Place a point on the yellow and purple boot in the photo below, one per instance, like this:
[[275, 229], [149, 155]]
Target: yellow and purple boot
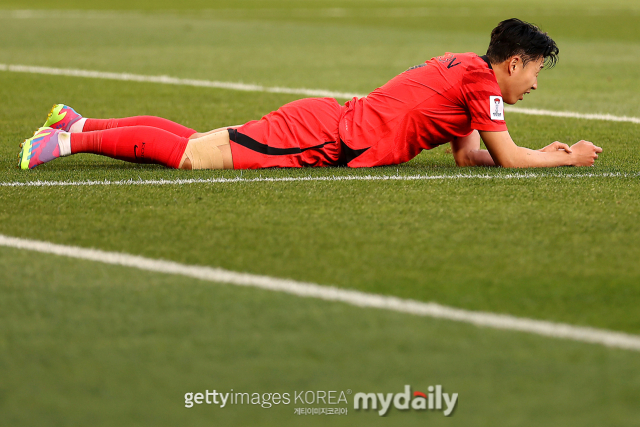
[[41, 148], [62, 117]]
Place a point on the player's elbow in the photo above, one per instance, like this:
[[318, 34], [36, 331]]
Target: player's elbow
[[463, 159]]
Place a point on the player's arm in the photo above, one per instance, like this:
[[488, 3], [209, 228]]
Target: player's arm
[[507, 154], [467, 152]]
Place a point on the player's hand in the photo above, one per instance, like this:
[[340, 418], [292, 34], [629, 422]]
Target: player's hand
[[584, 153], [556, 146]]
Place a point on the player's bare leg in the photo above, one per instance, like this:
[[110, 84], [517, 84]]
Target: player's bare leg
[[211, 150]]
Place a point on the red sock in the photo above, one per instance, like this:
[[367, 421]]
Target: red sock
[[137, 144], [156, 122]]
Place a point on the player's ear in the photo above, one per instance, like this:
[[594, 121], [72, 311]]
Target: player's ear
[[513, 63]]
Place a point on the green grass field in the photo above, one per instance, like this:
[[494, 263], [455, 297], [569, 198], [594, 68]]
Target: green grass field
[[83, 343]]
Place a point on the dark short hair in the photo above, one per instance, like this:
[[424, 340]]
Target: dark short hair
[[515, 37]]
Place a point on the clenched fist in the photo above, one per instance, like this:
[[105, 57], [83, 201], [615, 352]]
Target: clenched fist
[[584, 153]]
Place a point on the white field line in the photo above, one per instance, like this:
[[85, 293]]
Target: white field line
[[305, 179], [330, 293], [173, 81], [571, 115], [258, 88]]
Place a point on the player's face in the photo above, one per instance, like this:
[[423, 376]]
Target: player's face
[[523, 79]]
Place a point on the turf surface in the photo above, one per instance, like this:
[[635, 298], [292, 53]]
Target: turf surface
[[85, 343]]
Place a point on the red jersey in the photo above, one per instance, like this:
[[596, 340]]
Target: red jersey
[[426, 106]]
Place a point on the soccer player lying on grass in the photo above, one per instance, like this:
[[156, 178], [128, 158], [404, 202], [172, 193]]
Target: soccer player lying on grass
[[456, 98]]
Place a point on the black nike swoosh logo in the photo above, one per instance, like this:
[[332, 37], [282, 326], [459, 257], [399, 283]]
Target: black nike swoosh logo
[[135, 154], [451, 64]]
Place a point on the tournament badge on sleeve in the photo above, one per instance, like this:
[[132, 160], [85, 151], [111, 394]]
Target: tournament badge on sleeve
[[496, 108]]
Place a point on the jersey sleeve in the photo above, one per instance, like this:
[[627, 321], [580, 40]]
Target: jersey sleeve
[[484, 100]]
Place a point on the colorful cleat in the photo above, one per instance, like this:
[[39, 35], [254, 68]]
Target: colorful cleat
[[61, 117], [41, 148]]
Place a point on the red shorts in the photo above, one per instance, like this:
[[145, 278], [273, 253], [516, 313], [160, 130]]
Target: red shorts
[[301, 133]]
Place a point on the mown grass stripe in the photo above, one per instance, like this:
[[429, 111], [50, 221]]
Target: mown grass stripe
[[71, 72], [330, 293]]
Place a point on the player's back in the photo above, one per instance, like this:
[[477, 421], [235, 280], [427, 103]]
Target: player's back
[[423, 107]]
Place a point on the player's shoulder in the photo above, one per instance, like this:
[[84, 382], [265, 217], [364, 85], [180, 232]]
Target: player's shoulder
[[454, 62], [477, 71], [455, 69], [467, 61]]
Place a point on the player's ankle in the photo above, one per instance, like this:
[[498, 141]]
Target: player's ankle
[[64, 143], [78, 126]]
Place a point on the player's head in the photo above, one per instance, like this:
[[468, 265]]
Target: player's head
[[520, 50], [514, 37]]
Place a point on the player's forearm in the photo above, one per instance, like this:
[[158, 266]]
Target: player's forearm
[[527, 158], [480, 158], [539, 159]]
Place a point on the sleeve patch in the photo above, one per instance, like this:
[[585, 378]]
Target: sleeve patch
[[496, 108]]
